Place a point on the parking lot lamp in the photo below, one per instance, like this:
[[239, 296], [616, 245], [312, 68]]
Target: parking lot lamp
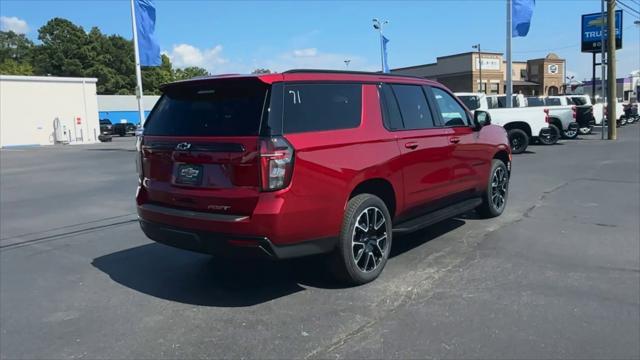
[[378, 24], [477, 46]]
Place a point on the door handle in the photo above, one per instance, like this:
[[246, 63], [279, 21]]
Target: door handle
[[411, 145], [454, 140]]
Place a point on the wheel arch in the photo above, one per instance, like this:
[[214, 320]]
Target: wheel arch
[[381, 188], [557, 122], [519, 125], [503, 156]]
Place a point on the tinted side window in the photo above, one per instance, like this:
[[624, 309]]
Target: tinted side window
[[553, 102], [391, 111], [413, 107], [453, 114], [317, 107], [534, 101]]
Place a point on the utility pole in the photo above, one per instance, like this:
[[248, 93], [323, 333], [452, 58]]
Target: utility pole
[[509, 90], [477, 46], [346, 63], [611, 68]]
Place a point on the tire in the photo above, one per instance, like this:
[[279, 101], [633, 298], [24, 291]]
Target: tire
[[568, 134], [494, 199], [551, 139], [585, 130], [519, 140], [361, 255]]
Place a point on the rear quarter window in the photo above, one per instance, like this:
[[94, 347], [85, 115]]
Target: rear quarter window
[[320, 107]]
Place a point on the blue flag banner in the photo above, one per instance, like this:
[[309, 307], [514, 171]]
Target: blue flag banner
[[145, 26], [521, 13], [385, 61]]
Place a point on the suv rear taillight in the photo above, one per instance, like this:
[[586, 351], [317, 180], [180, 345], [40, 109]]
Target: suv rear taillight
[[546, 115], [574, 110], [139, 143], [276, 163]]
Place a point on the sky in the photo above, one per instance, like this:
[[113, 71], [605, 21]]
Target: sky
[[240, 36]]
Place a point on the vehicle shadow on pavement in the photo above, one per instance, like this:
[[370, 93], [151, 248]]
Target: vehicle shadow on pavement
[[197, 279], [186, 277]]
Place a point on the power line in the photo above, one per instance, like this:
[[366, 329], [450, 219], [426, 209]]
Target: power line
[[637, 13], [631, 14]]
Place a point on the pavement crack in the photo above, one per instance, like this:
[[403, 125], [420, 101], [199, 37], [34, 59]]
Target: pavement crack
[[542, 198]]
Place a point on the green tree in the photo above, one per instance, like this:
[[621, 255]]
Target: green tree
[[16, 52], [12, 67], [64, 51], [189, 72], [153, 77]]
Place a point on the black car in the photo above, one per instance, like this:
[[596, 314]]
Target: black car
[[106, 128], [125, 129]]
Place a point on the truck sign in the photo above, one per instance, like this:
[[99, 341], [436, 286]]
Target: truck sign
[[591, 28]]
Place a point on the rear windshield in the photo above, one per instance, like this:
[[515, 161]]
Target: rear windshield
[[579, 101], [212, 109], [471, 102]]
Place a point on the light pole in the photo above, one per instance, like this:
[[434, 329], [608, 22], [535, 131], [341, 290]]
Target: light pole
[[569, 82], [477, 46], [378, 24], [346, 62]]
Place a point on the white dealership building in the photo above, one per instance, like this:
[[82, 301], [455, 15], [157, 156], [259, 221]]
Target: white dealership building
[[44, 110]]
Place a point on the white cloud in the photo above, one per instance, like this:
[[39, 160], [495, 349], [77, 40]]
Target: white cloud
[[310, 52], [184, 55], [213, 59], [14, 24], [312, 58]]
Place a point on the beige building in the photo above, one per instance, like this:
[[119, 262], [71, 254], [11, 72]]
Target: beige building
[[465, 72], [42, 110]]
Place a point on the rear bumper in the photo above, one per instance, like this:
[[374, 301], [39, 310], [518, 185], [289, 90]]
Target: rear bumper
[[227, 245]]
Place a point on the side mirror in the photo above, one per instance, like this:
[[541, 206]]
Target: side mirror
[[481, 118]]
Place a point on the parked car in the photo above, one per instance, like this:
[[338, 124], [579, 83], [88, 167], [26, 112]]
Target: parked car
[[523, 125], [106, 128], [124, 129], [309, 162], [562, 117]]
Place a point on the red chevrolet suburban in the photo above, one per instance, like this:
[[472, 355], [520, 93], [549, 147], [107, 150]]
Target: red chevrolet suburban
[[309, 162]]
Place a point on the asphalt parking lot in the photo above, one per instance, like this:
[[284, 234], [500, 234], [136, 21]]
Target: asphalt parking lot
[[557, 276]]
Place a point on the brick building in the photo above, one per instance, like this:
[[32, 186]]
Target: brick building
[[462, 73]]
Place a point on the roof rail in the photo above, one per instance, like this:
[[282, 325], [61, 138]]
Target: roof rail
[[322, 71]]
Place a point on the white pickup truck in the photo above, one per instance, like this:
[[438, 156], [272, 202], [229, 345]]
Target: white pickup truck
[[523, 125], [562, 118]]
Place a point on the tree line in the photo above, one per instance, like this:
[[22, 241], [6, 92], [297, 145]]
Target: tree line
[[66, 49]]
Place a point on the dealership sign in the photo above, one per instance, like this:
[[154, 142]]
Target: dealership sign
[[488, 64], [591, 28]]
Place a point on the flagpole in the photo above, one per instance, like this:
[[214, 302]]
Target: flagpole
[[509, 95], [137, 59]]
